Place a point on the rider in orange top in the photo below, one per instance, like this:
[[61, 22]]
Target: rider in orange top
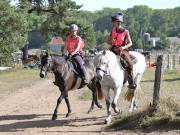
[[120, 41], [74, 47]]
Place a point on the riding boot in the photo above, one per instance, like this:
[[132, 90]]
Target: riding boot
[[125, 54], [84, 76], [132, 84]]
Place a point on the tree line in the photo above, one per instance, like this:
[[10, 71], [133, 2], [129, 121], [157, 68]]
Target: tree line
[[52, 17]]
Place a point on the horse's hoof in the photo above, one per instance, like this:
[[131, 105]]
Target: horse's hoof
[[130, 110], [68, 114], [100, 106], [90, 110], [107, 121], [118, 111], [54, 117]]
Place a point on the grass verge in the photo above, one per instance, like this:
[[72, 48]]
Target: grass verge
[[164, 117], [11, 81]]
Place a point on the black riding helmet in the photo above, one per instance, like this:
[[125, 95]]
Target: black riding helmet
[[118, 17]]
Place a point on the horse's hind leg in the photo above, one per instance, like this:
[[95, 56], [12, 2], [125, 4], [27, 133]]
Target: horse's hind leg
[[68, 105], [92, 103], [54, 117], [133, 100], [92, 87], [132, 105]]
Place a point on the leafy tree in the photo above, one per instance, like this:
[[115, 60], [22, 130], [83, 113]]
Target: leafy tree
[[102, 37], [103, 19], [163, 43], [59, 15], [13, 28]]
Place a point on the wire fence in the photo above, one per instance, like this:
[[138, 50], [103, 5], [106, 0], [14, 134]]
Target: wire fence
[[170, 61]]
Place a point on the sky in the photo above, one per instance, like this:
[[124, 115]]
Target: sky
[[93, 5]]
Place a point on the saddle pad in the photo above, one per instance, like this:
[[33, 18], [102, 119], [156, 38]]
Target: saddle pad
[[133, 58]]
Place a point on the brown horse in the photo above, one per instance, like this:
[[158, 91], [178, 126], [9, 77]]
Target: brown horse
[[66, 78]]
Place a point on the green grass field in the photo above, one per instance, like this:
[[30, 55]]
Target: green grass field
[[170, 85]]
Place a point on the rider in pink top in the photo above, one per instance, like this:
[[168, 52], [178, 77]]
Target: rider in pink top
[[120, 41], [74, 46]]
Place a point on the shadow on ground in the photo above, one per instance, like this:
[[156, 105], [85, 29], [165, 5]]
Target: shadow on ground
[[167, 80], [27, 121]]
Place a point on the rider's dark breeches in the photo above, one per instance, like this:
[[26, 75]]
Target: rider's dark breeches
[[80, 62]]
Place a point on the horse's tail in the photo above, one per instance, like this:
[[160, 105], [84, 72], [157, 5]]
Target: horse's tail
[[99, 91], [129, 94]]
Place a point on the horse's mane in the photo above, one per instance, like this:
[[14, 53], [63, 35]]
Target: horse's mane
[[58, 59], [107, 51]]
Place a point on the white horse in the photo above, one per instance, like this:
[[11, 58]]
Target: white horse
[[111, 74]]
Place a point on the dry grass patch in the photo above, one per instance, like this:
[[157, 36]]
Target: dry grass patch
[[14, 80], [165, 117]]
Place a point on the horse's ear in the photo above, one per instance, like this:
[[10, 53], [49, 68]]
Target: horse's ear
[[104, 52], [46, 53]]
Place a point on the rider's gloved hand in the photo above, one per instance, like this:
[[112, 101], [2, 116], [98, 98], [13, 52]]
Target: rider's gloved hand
[[67, 57]]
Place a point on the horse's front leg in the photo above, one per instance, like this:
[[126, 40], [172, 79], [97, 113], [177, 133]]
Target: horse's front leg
[[54, 117], [68, 105], [107, 98], [96, 92], [117, 92]]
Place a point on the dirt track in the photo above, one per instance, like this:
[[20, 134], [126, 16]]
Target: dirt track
[[29, 112]]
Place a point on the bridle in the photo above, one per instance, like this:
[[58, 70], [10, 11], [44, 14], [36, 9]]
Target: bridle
[[106, 67], [48, 66]]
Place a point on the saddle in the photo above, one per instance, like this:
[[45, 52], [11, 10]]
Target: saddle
[[116, 50], [124, 63], [73, 65]]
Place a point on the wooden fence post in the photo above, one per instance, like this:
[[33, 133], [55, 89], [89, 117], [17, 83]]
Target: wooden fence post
[[157, 81], [168, 65], [174, 61]]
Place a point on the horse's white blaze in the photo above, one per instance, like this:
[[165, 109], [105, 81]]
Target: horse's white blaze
[[114, 78]]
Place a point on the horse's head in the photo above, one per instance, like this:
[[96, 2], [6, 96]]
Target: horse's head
[[102, 65], [45, 65]]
